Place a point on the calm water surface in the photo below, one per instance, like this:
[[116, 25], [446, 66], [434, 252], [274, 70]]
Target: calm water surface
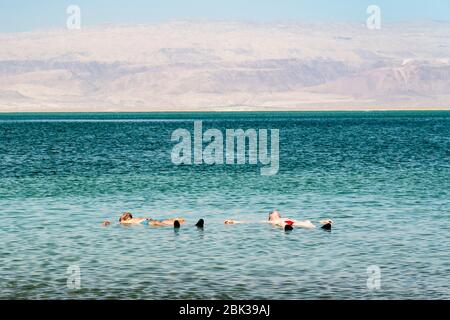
[[384, 178]]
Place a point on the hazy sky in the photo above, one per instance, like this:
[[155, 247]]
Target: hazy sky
[[25, 15]]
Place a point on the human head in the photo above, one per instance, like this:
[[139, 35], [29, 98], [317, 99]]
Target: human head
[[125, 216], [274, 215]]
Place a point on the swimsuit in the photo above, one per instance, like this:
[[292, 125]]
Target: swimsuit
[[289, 222]]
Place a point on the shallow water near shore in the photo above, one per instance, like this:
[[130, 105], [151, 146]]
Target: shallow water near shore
[[383, 177]]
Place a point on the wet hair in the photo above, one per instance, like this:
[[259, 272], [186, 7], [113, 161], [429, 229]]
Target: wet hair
[[125, 216]]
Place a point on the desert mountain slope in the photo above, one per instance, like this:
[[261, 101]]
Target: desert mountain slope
[[226, 66]]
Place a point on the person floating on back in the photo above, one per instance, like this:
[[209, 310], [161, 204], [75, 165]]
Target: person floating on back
[[127, 219], [287, 223]]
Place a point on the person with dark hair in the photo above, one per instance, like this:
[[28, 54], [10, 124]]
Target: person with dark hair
[[326, 224]]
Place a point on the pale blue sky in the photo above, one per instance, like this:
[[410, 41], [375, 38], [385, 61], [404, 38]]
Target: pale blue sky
[[25, 15]]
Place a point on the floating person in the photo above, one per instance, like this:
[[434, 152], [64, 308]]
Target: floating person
[[276, 219], [287, 223], [127, 219]]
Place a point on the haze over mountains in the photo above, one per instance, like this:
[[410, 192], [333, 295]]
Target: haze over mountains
[[227, 66]]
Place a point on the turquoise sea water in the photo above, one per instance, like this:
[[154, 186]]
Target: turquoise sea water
[[383, 177]]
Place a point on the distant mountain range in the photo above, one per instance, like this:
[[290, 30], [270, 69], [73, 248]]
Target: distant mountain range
[[227, 66]]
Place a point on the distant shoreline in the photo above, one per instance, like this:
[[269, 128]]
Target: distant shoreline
[[223, 111]]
